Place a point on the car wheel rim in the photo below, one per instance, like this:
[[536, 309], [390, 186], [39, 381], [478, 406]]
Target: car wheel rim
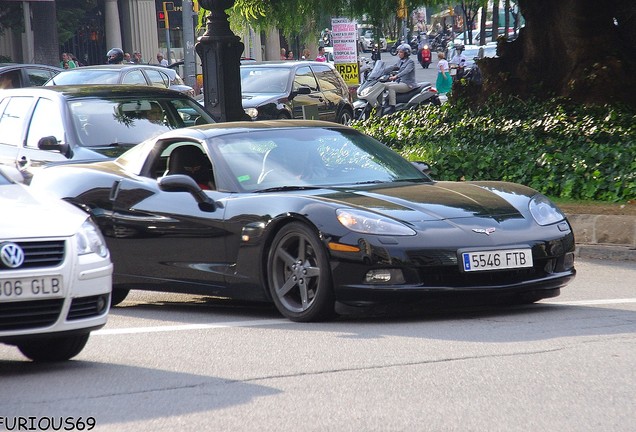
[[295, 272], [345, 118]]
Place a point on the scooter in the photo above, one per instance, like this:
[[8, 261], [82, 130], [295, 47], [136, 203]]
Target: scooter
[[372, 94], [425, 57]]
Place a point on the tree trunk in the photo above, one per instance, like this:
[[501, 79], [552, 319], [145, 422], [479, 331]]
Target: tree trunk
[[569, 48], [46, 48]]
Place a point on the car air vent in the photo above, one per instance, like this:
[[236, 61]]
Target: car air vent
[[86, 307], [29, 314], [41, 254]]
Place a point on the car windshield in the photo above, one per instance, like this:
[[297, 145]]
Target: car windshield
[[264, 80], [113, 121], [85, 76], [276, 159]]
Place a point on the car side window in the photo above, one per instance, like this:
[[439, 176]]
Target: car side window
[[10, 79], [135, 77], [305, 77], [46, 121], [13, 119], [38, 77], [158, 79], [327, 79]]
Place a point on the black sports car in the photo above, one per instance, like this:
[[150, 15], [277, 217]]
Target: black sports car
[[307, 214]]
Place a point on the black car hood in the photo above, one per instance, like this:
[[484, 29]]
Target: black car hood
[[253, 100], [437, 201]]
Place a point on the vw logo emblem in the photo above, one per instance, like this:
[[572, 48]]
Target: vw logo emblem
[[486, 231], [11, 255]]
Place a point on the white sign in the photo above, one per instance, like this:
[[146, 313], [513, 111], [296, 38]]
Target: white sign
[[344, 38]]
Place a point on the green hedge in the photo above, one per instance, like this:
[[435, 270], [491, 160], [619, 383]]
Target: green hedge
[[561, 149]]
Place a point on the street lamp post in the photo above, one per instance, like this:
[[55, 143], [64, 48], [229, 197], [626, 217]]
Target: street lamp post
[[220, 52]]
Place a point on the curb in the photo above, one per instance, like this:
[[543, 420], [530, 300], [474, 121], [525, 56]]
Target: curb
[[604, 236]]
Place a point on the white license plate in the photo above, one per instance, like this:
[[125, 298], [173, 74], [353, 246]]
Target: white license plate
[[31, 288], [497, 259]]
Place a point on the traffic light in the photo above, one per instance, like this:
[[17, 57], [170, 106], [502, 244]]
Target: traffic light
[[162, 17], [401, 12]]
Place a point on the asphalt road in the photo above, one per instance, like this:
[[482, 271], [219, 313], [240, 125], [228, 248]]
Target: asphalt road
[[183, 363]]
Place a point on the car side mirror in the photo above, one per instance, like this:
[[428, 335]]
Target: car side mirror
[[184, 183], [51, 143], [304, 90]]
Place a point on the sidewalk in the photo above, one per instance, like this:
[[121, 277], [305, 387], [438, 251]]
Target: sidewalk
[[604, 237]]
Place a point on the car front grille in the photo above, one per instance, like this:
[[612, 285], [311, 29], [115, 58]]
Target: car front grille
[[86, 307], [29, 314], [40, 254]]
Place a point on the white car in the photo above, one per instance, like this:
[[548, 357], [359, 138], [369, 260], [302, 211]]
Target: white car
[[55, 273]]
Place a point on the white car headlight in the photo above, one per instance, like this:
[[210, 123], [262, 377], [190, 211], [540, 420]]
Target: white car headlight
[[544, 211], [370, 223], [252, 112], [89, 240]]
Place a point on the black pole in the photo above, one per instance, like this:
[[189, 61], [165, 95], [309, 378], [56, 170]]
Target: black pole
[[220, 52]]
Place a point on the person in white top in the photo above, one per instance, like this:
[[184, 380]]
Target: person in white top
[[162, 61], [459, 61]]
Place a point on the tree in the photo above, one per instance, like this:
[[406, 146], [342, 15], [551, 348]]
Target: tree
[[571, 48]]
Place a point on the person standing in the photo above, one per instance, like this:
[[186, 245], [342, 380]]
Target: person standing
[[162, 61], [283, 54], [403, 80], [444, 81], [67, 62], [321, 55]]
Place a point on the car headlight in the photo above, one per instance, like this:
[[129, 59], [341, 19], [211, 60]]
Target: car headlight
[[370, 223], [252, 112], [544, 211], [365, 91], [89, 240]]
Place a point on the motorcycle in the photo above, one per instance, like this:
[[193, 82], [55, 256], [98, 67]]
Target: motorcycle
[[425, 56], [394, 48], [372, 94]]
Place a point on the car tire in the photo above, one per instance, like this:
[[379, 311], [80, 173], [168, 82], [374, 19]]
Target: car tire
[[345, 117], [299, 275], [53, 349], [118, 295]]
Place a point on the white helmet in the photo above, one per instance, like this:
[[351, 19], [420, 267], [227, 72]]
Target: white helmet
[[405, 48]]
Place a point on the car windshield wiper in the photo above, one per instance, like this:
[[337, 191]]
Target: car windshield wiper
[[371, 182], [287, 188]]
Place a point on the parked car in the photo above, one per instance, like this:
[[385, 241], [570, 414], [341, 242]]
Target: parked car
[[131, 74], [42, 125], [295, 89], [16, 75], [55, 274], [305, 214], [366, 39]]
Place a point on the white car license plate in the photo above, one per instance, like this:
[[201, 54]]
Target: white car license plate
[[31, 288], [497, 259]]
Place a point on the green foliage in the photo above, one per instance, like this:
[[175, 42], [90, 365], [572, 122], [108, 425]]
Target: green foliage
[[559, 148]]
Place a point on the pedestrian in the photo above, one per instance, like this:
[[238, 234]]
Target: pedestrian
[[283, 54], [136, 58], [75, 60], [306, 54], [162, 61], [444, 81], [127, 58], [290, 55], [321, 55], [67, 62], [403, 80]]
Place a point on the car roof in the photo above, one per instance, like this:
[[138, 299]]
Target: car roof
[[24, 65], [285, 64], [125, 66], [216, 129], [96, 90]]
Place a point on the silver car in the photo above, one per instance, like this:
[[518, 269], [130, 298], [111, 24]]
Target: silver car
[[55, 273]]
